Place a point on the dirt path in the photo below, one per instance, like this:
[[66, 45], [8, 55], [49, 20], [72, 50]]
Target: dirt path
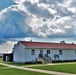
[[37, 70]]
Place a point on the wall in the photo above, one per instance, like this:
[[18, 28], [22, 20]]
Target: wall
[[66, 54], [22, 54], [18, 53], [29, 56]]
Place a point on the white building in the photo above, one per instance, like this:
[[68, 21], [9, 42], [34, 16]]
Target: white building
[[43, 52]]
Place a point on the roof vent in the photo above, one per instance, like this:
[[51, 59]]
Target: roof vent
[[30, 40], [63, 42]]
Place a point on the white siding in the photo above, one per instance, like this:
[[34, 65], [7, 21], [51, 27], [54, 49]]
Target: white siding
[[29, 56], [53, 52], [68, 55], [22, 55], [19, 53]]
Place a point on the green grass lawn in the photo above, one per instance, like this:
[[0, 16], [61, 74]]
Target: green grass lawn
[[1, 66], [15, 64], [67, 68], [18, 64], [13, 71], [1, 59]]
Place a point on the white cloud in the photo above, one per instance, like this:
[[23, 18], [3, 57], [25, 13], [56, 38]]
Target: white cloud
[[27, 39], [7, 47], [67, 26], [38, 18], [19, 1]]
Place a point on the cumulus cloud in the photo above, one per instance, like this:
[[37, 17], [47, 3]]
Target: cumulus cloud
[[24, 19], [13, 23], [7, 47], [38, 18], [38, 11]]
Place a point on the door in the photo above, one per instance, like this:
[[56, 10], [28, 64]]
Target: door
[[41, 53]]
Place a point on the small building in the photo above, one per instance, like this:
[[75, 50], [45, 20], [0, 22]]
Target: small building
[[8, 57], [44, 52]]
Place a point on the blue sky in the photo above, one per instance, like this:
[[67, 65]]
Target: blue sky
[[6, 3], [39, 20]]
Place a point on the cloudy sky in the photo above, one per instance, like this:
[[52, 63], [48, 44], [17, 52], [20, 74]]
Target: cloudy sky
[[39, 20]]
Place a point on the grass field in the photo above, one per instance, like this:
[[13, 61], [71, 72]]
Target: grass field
[[12, 63], [60, 67], [19, 64], [12, 71], [1, 59], [67, 68]]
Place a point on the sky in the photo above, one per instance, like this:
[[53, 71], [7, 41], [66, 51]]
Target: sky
[[37, 20]]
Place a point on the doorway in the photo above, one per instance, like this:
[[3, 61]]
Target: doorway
[[41, 53]]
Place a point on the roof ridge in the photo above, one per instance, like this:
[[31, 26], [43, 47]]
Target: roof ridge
[[47, 42]]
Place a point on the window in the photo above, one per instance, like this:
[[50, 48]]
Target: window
[[48, 51], [60, 52], [41, 51], [33, 52]]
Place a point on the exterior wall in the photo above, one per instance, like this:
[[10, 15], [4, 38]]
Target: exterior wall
[[29, 57], [53, 52], [22, 54], [18, 53], [66, 54]]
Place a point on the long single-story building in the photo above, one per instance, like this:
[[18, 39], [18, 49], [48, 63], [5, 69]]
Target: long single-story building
[[45, 52]]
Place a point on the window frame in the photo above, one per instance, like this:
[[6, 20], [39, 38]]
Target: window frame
[[33, 52], [48, 51], [60, 52]]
